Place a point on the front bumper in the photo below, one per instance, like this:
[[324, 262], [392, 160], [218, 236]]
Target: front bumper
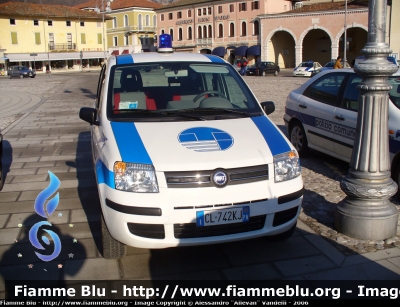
[[302, 73], [168, 218]]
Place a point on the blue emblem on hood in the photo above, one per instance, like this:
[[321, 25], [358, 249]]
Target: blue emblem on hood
[[205, 139]]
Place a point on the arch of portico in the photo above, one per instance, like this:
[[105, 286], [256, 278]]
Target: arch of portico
[[268, 51], [312, 31], [299, 43]]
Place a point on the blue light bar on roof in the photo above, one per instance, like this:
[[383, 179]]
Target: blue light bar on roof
[[165, 43]]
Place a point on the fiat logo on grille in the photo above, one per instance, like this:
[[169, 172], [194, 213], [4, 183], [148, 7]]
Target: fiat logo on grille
[[220, 178]]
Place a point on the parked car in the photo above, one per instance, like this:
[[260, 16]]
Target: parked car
[[305, 69], [218, 171], [1, 165], [21, 72], [328, 66], [266, 68], [322, 115]]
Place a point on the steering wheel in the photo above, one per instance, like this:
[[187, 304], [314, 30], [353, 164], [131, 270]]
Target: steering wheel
[[207, 92]]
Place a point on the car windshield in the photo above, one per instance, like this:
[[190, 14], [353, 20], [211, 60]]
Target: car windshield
[[168, 91], [306, 64]]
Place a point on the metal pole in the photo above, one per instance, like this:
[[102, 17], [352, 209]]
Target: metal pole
[[104, 38], [345, 36], [366, 212]]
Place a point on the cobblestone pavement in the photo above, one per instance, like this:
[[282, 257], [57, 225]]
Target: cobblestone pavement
[[321, 174]]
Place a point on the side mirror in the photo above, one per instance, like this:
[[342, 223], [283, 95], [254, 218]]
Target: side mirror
[[88, 115], [268, 106]]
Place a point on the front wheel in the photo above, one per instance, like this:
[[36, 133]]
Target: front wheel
[[21, 76], [276, 73], [112, 249], [9, 76], [298, 138]]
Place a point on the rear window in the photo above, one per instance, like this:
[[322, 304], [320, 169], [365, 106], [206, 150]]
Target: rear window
[[148, 91]]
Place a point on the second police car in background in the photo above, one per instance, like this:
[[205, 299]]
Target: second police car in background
[[322, 115], [306, 69], [184, 154]]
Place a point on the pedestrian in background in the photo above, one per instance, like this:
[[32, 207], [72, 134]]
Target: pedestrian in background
[[243, 65], [258, 67], [338, 63]]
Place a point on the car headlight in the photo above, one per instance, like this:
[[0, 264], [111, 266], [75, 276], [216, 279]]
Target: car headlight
[[287, 166], [133, 177]]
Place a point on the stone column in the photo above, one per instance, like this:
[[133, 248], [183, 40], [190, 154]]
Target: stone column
[[366, 212]]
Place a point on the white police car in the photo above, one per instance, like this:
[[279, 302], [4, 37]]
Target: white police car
[[322, 115], [185, 155], [306, 69]]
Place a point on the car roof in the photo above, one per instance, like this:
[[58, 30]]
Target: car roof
[[157, 57], [302, 87]]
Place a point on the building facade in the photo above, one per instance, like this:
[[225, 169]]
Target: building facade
[[226, 28], [56, 36], [132, 24]]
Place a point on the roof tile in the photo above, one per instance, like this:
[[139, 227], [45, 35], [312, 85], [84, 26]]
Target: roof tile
[[16, 9], [120, 4]]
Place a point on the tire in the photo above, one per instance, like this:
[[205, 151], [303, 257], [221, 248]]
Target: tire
[[396, 178], [264, 73], [112, 249], [284, 235], [276, 73], [21, 76], [1, 176], [298, 138], [9, 76]]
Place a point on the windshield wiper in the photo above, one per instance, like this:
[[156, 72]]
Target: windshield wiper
[[181, 113], [244, 113]]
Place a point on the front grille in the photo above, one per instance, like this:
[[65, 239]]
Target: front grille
[[199, 179], [284, 216], [185, 231], [249, 202]]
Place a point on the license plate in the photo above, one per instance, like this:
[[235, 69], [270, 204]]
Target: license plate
[[223, 216]]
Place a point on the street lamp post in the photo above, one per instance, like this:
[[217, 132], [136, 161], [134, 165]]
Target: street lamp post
[[103, 10], [345, 36], [366, 212]]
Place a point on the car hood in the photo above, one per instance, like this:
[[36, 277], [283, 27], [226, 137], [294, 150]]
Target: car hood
[[304, 69], [199, 145]]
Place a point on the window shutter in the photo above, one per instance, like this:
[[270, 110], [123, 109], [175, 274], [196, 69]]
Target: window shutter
[[14, 38], [99, 38], [83, 38], [37, 38]]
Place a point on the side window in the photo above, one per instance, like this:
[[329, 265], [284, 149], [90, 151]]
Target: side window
[[100, 85], [326, 89], [350, 96]]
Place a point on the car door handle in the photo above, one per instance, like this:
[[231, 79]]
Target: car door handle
[[339, 117], [303, 106]]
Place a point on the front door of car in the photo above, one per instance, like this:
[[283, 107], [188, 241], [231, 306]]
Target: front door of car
[[269, 67], [345, 119], [98, 138], [318, 109]]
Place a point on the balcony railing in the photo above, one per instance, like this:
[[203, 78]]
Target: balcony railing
[[57, 47], [133, 29], [204, 41]]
